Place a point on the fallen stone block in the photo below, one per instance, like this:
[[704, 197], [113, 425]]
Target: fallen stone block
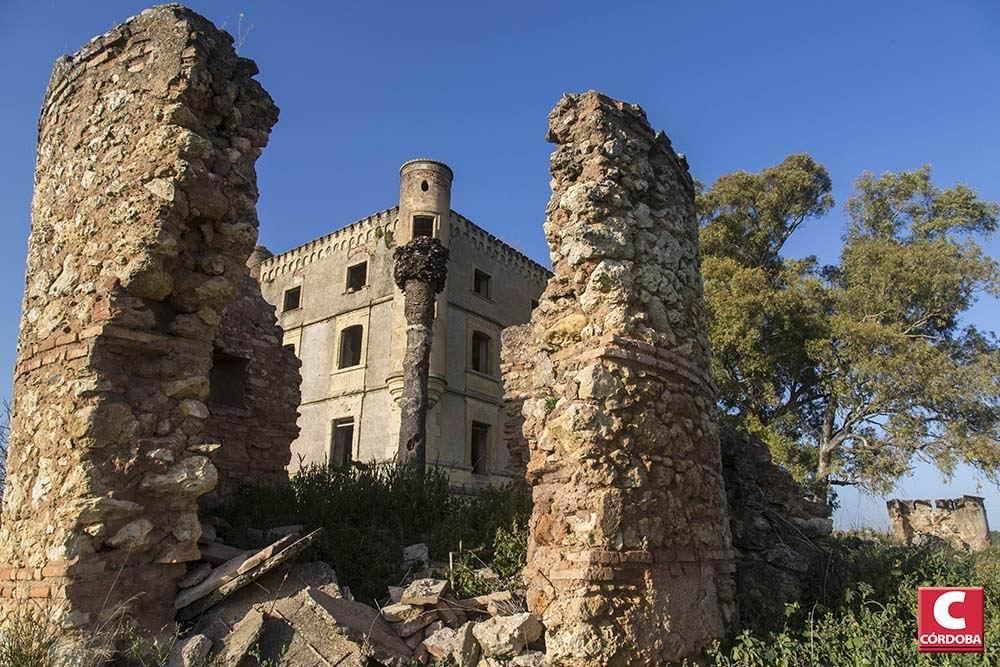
[[400, 613], [190, 652], [425, 592], [466, 650], [415, 624], [440, 644], [244, 635], [507, 636]]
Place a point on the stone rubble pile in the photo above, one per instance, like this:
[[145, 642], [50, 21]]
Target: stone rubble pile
[[298, 614], [488, 630]]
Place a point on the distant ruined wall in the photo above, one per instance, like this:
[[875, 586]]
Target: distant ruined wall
[[142, 218], [630, 560], [961, 522], [253, 394]]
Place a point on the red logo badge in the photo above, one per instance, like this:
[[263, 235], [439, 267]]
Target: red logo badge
[[950, 620]]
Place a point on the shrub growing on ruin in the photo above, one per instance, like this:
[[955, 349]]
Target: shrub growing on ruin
[[370, 511]]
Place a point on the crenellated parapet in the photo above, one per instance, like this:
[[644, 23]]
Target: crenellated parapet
[[370, 229]]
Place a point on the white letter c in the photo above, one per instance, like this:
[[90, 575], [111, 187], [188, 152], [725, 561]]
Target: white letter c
[[942, 614]]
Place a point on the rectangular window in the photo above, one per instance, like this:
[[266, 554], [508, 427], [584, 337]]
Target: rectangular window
[[350, 346], [357, 276], [479, 447], [343, 442], [227, 380], [481, 283], [290, 347], [423, 225], [293, 299], [481, 345]]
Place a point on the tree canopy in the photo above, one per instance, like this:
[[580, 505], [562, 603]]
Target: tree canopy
[[850, 372]]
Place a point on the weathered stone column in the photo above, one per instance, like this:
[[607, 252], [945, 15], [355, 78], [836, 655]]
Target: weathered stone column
[[630, 561], [420, 270], [142, 219]]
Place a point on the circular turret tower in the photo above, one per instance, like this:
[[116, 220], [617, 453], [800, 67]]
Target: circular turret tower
[[424, 200]]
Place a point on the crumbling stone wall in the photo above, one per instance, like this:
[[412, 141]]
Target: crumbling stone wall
[[142, 219], [253, 394], [961, 522], [515, 370], [630, 560], [780, 537]]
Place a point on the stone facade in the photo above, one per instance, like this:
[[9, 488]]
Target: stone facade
[[630, 560], [142, 220], [318, 304], [961, 522]]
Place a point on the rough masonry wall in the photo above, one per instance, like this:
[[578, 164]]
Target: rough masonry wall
[[142, 218], [961, 522], [779, 536], [630, 561], [517, 359], [254, 422]]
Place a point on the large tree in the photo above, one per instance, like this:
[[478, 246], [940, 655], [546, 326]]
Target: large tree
[[849, 372]]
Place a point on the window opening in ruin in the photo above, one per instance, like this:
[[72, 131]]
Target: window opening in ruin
[[424, 186], [534, 304], [293, 299], [227, 380], [423, 225], [481, 283], [342, 442], [290, 347], [479, 447], [357, 276], [481, 352], [350, 346]]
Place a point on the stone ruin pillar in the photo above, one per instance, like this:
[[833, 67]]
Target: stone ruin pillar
[[142, 218], [630, 561], [420, 269]]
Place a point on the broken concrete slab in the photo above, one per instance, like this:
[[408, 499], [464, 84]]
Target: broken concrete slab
[[244, 635], [193, 601], [195, 575], [317, 627]]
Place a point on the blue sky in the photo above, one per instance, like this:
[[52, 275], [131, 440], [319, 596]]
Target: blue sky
[[364, 86]]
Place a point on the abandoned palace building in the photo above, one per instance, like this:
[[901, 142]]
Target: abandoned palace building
[[342, 315]]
